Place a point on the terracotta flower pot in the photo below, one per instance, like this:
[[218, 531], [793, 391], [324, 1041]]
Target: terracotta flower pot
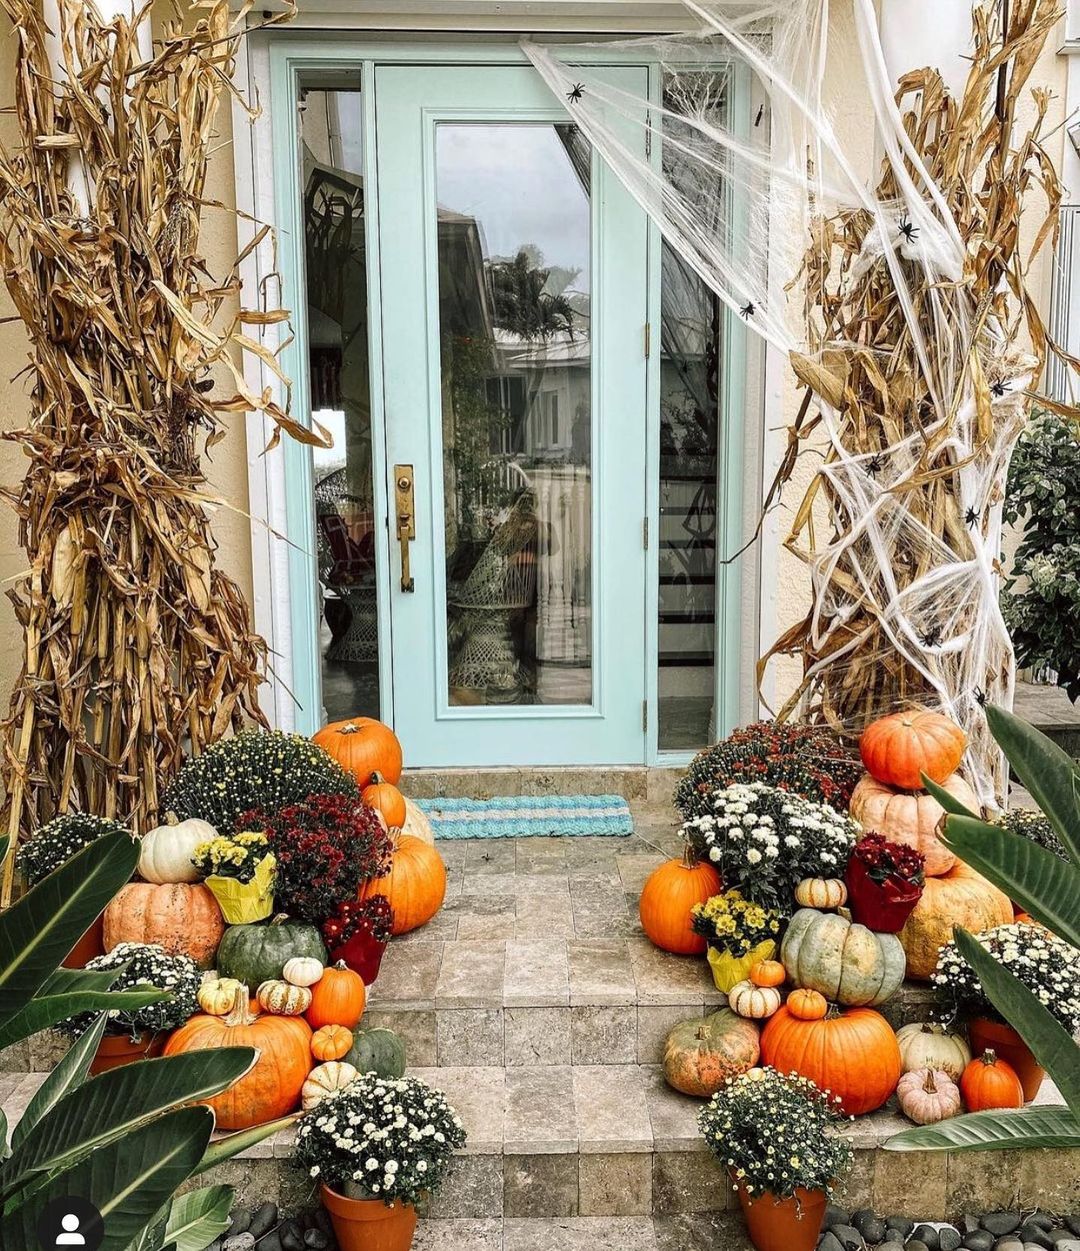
[[117, 1049], [985, 1034], [363, 954], [792, 1224], [881, 906], [91, 944], [368, 1224]]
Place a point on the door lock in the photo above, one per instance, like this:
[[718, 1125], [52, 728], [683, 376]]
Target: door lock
[[406, 519]]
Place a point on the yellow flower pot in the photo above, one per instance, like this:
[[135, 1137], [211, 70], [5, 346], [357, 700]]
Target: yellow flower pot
[[728, 969], [243, 902]]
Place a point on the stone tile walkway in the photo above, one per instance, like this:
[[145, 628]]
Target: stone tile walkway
[[688, 1232]]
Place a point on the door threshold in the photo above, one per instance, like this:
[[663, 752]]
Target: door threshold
[[640, 782]]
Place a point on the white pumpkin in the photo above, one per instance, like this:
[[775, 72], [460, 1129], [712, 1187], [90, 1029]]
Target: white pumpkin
[[823, 893], [302, 971], [754, 1002], [324, 1079], [927, 1045], [165, 852], [417, 824]]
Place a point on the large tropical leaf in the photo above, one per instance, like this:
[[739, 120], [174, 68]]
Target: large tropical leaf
[[68, 1074], [38, 931], [117, 1102], [1048, 1039], [993, 1131], [1040, 882], [196, 1219], [1050, 774], [949, 802], [127, 1180], [222, 1149], [68, 992]]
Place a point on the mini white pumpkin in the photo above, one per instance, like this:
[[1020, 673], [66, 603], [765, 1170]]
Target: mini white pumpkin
[[823, 893], [302, 970], [165, 852], [928, 1045], [324, 1079], [755, 1002], [927, 1096], [281, 999]]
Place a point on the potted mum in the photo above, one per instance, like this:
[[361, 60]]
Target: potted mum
[[140, 1033], [885, 881], [358, 932], [1047, 965], [239, 870], [739, 934], [377, 1147], [776, 1136]]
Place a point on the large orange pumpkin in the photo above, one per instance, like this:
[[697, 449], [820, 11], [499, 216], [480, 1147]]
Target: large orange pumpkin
[[900, 748], [184, 919], [337, 998], [959, 897], [670, 892], [271, 1088], [415, 885], [364, 747], [387, 800], [910, 817], [852, 1052]]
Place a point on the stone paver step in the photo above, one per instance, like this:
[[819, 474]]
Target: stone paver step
[[695, 1232]]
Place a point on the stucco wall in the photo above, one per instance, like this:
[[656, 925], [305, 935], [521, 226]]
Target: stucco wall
[[228, 472]]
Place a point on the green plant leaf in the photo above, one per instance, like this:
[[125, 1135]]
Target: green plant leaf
[[222, 1149], [38, 931], [4, 1152], [1050, 774], [1050, 1042], [1040, 882], [47, 1009], [949, 802], [196, 1219], [127, 1180], [115, 1103], [67, 1076], [1043, 1126]]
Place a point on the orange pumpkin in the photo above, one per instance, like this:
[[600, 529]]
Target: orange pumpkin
[[271, 1088], [853, 1053], [670, 892], [363, 747], [768, 973], [807, 1005], [900, 748], [909, 817], [184, 919], [988, 1082], [959, 897], [331, 1042], [337, 998], [387, 801], [415, 885]]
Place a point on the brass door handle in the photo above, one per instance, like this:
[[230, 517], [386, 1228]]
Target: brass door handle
[[406, 520]]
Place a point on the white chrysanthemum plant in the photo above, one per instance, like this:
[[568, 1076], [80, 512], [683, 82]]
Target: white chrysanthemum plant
[[144, 966], [380, 1138], [763, 841]]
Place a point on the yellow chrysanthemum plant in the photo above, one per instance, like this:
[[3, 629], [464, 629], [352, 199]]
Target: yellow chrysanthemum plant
[[739, 933], [240, 870]]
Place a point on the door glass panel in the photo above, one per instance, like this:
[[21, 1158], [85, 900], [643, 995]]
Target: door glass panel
[[339, 382], [514, 309]]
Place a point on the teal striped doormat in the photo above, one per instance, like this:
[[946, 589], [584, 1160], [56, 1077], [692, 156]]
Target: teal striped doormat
[[519, 816]]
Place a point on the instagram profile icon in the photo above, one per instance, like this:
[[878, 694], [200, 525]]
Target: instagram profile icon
[[70, 1224]]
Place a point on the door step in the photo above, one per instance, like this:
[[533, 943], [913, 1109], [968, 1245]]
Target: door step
[[650, 785]]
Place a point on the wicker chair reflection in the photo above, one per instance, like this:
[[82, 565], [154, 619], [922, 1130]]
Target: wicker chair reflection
[[502, 582], [346, 540]]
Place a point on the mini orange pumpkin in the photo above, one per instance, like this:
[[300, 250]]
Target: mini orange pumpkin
[[364, 747], [807, 1005], [768, 973], [331, 1042], [415, 885], [387, 800], [900, 748], [988, 1082], [337, 998], [667, 897]]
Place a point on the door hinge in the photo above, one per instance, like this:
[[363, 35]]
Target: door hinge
[[644, 714], [648, 339], [645, 533]]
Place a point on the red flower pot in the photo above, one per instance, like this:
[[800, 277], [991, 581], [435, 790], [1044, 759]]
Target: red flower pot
[[791, 1224], [91, 944], [987, 1035], [117, 1049], [881, 906], [363, 954], [368, 1224]]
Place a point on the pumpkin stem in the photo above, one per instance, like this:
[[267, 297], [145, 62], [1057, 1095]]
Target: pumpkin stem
[[377, 779], [240, 1012], [688, 855], [171, 819], [989, 1056], [350, 728], [930, 1086]]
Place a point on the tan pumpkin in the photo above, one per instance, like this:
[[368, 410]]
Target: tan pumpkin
[[165, 853], [927, 1096], [417, 824], [185, 920], [700, 1054], [846, 962], [283, 999], [331, 1042], [302, 970], [324, 1080], [960, 897], [753, 1002], [216, 995], [415, 885], [910, 817], [823, 893], [927, 1045]]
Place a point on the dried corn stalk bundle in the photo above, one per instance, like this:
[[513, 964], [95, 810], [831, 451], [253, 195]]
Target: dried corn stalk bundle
[[922, 378], [136, 645]]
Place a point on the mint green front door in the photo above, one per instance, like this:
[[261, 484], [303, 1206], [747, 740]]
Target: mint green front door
[[514, 294]]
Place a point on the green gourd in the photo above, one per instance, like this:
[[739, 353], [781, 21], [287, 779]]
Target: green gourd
[[254, 954], [378, 1051]]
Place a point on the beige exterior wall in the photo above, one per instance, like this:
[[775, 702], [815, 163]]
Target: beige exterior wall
[[228, 472]]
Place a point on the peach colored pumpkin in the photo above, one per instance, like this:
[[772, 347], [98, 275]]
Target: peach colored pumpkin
[[959, 897], [185, 920], [910, 817]]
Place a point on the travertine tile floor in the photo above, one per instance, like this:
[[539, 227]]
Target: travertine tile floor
[[720, 1231]]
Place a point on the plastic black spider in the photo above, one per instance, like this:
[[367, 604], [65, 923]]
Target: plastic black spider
[[575, 93], [997, 389], [932, 638], [980, 696], [747, 310], [875, 464], [908, 229], [971, 517]]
